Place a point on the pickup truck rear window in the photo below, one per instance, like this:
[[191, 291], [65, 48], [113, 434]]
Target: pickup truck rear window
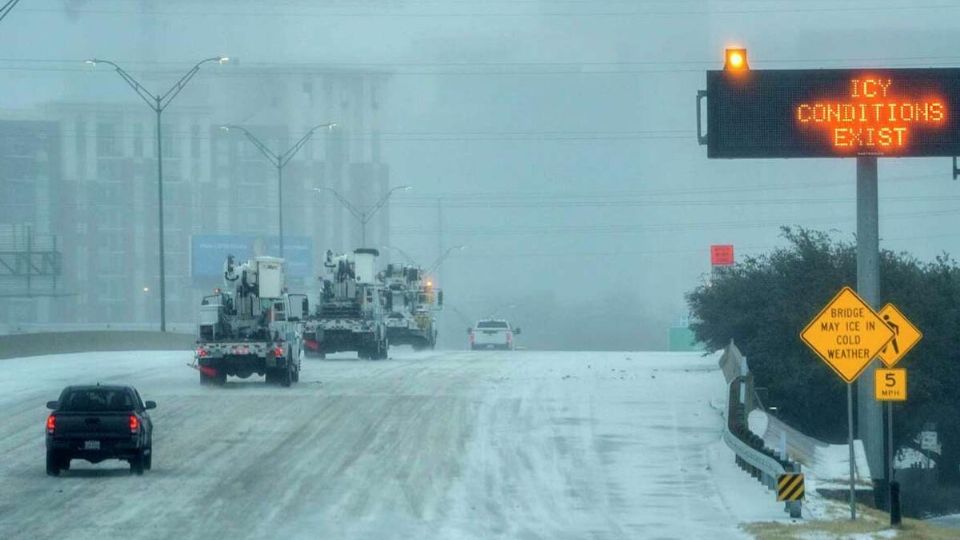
[[492, 324], [97, 400]]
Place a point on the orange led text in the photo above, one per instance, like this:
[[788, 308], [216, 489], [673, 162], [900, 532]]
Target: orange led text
[[873, 117]]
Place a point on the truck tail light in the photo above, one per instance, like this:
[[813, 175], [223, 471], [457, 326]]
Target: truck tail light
[[472, 338], [134, 424], [509, 337], [201, 352], [277, 352], [208, 371], [51, 424]]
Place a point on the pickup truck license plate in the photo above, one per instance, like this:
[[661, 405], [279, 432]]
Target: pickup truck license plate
[[91, 445]]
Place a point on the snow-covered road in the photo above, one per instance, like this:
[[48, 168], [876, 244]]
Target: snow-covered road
[[451, 445]]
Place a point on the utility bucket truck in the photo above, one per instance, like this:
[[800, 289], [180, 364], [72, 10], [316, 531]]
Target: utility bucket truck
[[349, 315], [252, 325], [411, 300]]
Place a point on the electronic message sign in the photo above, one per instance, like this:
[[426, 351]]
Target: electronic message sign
[[833, 113]]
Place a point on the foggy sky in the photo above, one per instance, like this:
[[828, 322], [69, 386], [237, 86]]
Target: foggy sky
[[512, 106]]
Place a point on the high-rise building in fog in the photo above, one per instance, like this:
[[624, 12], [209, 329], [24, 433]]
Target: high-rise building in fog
[[86, 172]]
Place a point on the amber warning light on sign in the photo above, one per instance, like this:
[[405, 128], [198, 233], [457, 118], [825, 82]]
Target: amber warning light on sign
[[874, 115], [735, 60]]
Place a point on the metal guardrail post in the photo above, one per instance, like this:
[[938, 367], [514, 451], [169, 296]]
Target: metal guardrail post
[[794, 508]]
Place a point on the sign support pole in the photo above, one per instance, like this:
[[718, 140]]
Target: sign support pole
[[853, 494], [869, 411], [890, 501]]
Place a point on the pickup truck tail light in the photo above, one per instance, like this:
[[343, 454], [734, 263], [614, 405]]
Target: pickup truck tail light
[[51, 424], [277, 352], [472, 338], [201, 352], [134, 424], [509, 337]]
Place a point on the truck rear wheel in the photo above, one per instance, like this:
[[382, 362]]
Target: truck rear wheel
[[53, 463], [136, 464], [286, 378]]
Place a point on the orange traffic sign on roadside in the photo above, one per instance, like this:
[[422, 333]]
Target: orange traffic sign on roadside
[[847, 334], [890, 385], [905, 335]]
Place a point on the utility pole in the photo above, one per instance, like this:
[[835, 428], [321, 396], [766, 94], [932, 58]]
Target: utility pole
[[439, 235], [436, 276]]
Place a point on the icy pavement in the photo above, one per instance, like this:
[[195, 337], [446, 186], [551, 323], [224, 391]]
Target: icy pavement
[[455, 445]]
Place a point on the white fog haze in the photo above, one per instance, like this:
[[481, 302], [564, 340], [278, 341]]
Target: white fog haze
[[557, 137], [479, 269]]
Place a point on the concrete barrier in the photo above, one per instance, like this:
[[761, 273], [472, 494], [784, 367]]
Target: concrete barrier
[[20, 345]]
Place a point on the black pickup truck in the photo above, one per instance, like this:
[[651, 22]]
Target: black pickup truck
[[98, 422]]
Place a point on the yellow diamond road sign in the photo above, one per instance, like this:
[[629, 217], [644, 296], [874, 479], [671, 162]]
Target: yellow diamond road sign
[[847, 334], [905, 335]]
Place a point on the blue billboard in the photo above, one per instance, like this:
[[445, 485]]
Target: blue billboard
[[209, 251]]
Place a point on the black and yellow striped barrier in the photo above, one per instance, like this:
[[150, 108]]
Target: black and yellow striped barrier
[[790, 487]]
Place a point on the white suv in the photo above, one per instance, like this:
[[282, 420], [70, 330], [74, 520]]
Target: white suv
[[492, 334]]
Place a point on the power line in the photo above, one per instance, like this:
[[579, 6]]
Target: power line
[[514, 230], [451, 197], [517, 70], [564, 253], [392, 136], [495, 200], [247, 65], [494, 14]]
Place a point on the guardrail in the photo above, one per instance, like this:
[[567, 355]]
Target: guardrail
[[751, 454], [22, 345], [37, 328], [764, 468]]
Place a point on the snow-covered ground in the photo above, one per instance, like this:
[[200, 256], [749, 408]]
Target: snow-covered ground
[[951, 522], [424, 445]]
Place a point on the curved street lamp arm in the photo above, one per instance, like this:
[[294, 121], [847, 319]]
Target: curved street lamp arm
[[288, 155], [165, 99], [5, 10], [141, 91], [353, 210], [270, 155], [436, 264], [383, 201], [460, 314], [404, 253]]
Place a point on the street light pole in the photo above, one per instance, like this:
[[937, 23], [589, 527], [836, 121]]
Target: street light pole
[[363, 216], [279, 161], [436, 264], [401, 252], [159, 103]]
